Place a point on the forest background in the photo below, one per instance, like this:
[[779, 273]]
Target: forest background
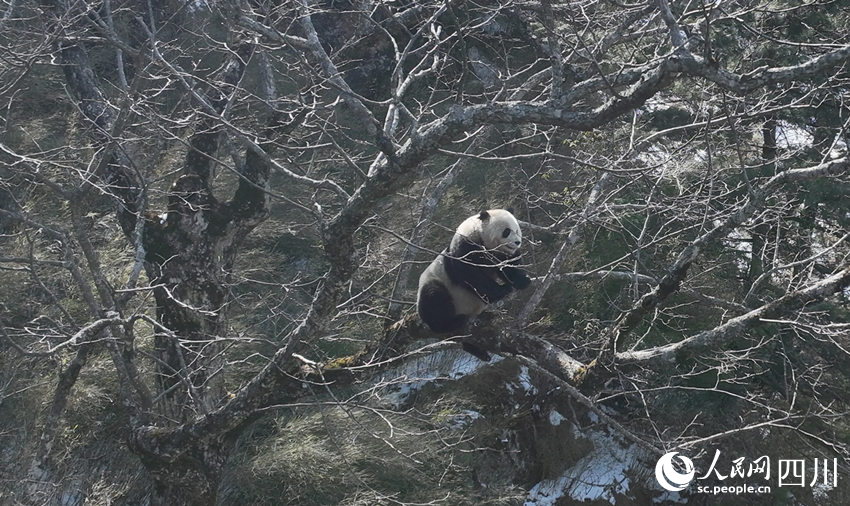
[[213, 216]]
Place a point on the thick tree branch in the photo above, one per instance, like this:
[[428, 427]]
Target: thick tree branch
[[114, 167], [593, 201], [716, 337], [205, 141], [679, 269]]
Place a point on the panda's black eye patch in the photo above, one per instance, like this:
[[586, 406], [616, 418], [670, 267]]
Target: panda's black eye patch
[[506, 233]]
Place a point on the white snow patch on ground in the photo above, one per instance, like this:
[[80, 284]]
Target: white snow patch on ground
[[821, 492], [555, 418], [462, 419], [670, 497], [442, 365], [599, 475], [524, 383], [789, 135]]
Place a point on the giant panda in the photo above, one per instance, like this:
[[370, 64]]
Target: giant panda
[[478, 268]]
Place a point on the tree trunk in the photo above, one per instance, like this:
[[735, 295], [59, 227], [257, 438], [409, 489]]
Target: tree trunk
[[193, 478], [762, 232], [185, 260]]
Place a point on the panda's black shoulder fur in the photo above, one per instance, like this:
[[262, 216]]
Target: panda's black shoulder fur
[[490, 274]]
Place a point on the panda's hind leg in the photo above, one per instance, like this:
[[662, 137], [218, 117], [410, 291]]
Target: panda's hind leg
[[437, 310]]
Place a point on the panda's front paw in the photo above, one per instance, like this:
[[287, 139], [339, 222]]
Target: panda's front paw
[[476, 351]]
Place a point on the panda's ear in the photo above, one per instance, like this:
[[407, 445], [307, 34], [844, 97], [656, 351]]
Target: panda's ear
[[484, 216], [510, 210]]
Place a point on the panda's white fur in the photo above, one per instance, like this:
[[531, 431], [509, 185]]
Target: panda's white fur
[[477, 269], [466, 301], [488, 229]]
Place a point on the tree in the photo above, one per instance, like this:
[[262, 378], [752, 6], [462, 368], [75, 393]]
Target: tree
[[628, 136]]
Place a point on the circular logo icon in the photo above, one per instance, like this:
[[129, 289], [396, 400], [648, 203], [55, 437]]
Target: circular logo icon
[[667, 475]]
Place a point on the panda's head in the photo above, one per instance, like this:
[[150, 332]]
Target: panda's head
[[499, 231]]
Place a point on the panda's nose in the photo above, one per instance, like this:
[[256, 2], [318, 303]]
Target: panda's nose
[[517, 243]]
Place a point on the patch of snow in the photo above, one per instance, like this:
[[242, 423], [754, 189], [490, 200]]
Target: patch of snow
[[547, 492], [462, 419], [524, 383], [555, 418], [741, 241], [599, 475], [821, 492], [789, 135], [399, 383], [668, 496], [197, 5], [839, 150]]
